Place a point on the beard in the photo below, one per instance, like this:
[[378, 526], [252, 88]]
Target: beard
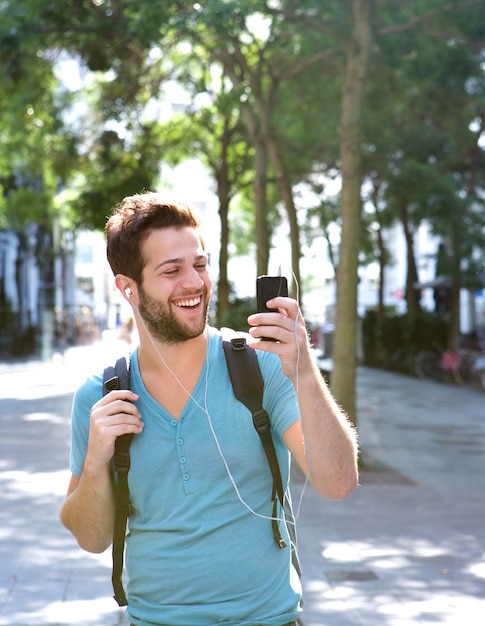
[[163, 325]]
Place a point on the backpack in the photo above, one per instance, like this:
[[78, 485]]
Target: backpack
[[248, 384]]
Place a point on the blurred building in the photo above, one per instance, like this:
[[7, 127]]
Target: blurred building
[[57, 289]]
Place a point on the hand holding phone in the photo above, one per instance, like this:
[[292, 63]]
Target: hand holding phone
[[268, 287]]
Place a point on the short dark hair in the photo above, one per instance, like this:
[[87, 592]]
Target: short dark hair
[[130, 223]]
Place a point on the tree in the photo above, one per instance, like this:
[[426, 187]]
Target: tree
[[358, 59], [216, 134], [278, 58], [37, 154], [427, 92], [258, 66]]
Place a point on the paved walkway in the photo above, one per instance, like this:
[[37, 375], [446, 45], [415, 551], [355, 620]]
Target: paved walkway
[[407, 548]]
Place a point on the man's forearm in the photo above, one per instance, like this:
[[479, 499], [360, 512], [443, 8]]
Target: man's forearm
[[88, 511], [330, 439]]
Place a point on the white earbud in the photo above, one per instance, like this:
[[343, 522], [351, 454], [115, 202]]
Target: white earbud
[[128, 292]]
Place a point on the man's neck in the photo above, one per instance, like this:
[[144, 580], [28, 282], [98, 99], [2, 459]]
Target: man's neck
[[167, 358]]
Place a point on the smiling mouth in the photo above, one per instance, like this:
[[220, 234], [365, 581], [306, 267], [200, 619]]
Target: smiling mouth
[[189, 303]]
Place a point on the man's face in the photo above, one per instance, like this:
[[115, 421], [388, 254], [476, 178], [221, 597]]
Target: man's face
[[176, 287]]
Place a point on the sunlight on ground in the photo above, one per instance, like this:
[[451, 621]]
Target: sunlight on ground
[[356, 551], [43, 417], [478, 570], [73, 612], [54, 483]]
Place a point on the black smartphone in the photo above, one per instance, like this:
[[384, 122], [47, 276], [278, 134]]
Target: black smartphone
[[268, 287]]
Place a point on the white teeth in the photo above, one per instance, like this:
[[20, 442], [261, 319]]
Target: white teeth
[[193, 302]]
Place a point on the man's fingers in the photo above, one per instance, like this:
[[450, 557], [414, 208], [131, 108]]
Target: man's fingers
[[117, 394]]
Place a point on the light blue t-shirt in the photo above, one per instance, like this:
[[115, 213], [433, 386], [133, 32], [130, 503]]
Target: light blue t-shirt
[[200, 549]]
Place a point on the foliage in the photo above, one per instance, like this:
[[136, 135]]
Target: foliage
[[393, 341], [422, 132], [238, 313], [114, 170], [257, 74], [407, 124]]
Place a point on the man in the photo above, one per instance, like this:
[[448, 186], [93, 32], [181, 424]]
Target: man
[[200, 550]]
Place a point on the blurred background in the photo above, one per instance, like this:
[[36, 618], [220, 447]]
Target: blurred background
[[341, 142]]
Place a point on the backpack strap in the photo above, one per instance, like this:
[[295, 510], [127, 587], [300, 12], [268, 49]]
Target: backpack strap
[[248, 386], [118, 377]]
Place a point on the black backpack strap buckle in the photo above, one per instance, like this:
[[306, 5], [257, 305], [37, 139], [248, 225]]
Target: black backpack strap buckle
[[238, 343], [121, 461], [261, 421]]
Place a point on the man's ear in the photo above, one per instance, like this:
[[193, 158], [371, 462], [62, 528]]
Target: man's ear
[[124, 286]]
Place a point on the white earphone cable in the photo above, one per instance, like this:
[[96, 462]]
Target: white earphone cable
[[205, 410]]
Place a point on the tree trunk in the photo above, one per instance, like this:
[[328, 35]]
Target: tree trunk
[[224, 196], [223, 283], [260, 205], [286, 194], [412, 294], [345, 345], [382, 267], [453, 338], [254, 131]]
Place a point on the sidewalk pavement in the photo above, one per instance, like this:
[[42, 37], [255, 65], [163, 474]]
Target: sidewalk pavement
[[406, 548]]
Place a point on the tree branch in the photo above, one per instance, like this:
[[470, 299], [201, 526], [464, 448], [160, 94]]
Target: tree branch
[[451, 6], [299, 67]]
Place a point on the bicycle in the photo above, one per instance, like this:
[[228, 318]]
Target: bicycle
[[465, 367], [439, 365], [472, 368]]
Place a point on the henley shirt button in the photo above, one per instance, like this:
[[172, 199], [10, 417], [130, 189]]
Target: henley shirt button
[[180, 442], [182, 460], [186, 476], [174, 422]]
